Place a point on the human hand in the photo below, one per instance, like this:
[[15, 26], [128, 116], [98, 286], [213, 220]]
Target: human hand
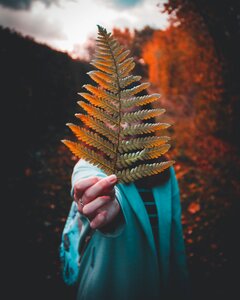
[[96, 199]]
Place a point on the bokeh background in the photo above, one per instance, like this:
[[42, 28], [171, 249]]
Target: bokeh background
[[189, 51]]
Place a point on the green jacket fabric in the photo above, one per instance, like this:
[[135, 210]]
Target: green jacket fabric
[[123, 263]]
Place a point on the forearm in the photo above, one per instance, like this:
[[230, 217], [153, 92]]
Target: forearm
[[73, 239]]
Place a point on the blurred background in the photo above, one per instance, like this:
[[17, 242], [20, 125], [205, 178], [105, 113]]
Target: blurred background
[[189, 51]]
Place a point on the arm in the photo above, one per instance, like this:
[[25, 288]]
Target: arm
[[179, 263], [74, 236], [77, 229]]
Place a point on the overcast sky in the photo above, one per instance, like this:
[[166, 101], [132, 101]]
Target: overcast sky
[[67, 24]]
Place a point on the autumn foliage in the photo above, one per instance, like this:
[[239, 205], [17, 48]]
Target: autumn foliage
[[183, 66], [186, 70]]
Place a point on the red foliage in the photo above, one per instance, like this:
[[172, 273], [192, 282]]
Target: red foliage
[[184, 67]]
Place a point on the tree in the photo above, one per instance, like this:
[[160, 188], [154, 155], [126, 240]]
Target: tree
[[184, 66], [222, 22]]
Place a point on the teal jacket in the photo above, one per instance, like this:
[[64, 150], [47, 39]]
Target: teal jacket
[[123, 263]]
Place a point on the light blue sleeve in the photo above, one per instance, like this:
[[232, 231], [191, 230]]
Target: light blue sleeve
[[73, 238], [77, 227], [179, 262]]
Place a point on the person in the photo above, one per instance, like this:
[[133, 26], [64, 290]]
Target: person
[[124, 241]]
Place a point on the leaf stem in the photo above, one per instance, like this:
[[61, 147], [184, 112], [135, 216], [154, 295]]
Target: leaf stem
[[119, 106]]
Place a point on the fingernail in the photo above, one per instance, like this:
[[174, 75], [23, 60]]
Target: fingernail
[[112, 178]]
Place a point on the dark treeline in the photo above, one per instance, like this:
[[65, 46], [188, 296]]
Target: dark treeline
[[38, 96], [38, 91], [222, 21]]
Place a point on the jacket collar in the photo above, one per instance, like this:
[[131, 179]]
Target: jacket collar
[[134, 199], [162, 197]]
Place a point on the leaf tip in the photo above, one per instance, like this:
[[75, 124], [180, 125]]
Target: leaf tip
[[64, 142], [69, 124]]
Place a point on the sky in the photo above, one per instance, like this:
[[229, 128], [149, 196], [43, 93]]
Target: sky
[[66, 25]]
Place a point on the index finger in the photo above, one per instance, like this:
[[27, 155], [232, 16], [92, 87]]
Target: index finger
[[104, 185], [83, 184]]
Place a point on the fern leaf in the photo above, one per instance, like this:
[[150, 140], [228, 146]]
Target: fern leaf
[[139, 101], [99, 127], [156, 151], [103, 56], [125, 65], [142, 143], [127, 159], [122, 56], [118, 51], [102, 75], [102, 82], [129, 175], [101, 65], [110, 104], [112, 44], [127, 70], [82, 151], [101, 93], [98, 113], [135, 90], [106, 63], [143, 128], [128, 80], [142, 115], [93, 139], [99, 102]]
